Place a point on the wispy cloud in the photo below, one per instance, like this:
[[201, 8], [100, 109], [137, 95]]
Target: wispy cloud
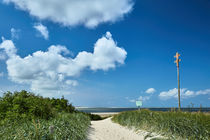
[[144, 98], [132, 100], [14, 33], [42, 30], [141, 98], [185, 93]]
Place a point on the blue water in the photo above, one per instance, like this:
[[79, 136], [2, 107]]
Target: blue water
[[98, 110]]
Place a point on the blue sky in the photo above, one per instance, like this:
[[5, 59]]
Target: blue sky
[[126, 54]]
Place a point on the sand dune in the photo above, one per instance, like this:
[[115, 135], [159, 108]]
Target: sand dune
[[107, 130]]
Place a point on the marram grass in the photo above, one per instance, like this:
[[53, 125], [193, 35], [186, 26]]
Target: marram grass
[[174, 125], [64, 127]]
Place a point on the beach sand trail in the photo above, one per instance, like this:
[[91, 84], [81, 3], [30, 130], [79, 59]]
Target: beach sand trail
[[107, 130]]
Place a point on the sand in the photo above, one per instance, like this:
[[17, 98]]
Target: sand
[[107, 130]]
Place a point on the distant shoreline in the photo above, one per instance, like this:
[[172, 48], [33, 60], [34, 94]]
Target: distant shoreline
[[121, 109]]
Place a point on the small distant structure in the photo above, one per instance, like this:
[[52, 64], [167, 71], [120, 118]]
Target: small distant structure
[[139, 104], [178, 76]]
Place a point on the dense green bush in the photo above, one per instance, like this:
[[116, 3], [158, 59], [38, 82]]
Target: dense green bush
[[24, 115], [24, 104], [175, 125], [65, 126]]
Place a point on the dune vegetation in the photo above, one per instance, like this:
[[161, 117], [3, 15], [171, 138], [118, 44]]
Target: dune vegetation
[[65, 126], [24, 115], [174, 124]]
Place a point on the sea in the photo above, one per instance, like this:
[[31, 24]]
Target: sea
[[105, 109]]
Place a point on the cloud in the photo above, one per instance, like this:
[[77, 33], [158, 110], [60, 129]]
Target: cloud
[[9, 50], [14, 33], [185, 93], [42, 30], [71, 82], [132, 100], [150, 90], [9, 47], [203, 92], [89, 13], [141, 98], [144, 98], [53, 71]]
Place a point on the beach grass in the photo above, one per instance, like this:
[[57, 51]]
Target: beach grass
[[65, 126], [173, 124]]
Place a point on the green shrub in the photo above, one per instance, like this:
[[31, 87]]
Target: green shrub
[[25, 104], [94, 117], [182, 125]]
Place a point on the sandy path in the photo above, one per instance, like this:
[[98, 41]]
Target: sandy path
[[107, 130]]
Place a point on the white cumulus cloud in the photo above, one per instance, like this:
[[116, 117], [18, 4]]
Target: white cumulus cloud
[[89, 13], [52, 71], [42, 30], [9, 47], [184, 93], [150, 90]]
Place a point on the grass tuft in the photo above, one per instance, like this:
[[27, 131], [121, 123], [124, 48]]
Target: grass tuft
[[183, 125]]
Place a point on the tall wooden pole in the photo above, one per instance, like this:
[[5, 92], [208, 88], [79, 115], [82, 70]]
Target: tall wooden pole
[[178, 87], [178, 76]]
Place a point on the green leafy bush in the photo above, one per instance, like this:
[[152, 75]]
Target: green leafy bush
[[24, 104], [175, 125]]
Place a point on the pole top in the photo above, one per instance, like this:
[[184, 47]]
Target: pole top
[[177, 55], [177, 59]]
